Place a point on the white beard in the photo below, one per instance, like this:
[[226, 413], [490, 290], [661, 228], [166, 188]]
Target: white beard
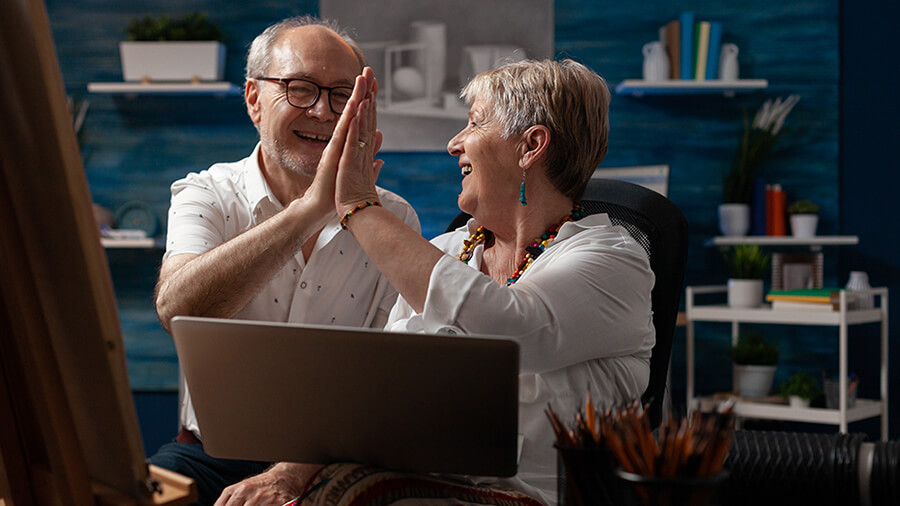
[[286, 158]]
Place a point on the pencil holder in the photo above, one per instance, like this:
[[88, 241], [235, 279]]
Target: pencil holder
[[586, 476], [639, 490], [832, 390]]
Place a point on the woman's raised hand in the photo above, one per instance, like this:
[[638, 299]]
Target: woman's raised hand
[[358, 169]]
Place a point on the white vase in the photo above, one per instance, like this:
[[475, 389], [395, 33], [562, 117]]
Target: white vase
[[432, 64], [734, 219], [728, 63], [753, 380], [656, 62], [804, 225], [859, 280], [745, 292]]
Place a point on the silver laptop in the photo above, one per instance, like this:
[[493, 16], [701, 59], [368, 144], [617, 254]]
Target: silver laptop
[[321, 394]]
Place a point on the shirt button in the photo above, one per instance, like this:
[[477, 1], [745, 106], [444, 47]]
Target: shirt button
[[303, 285]]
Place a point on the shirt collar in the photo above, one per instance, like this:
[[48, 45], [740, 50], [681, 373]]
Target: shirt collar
[[259, 194], [570, 228], [264, 203]]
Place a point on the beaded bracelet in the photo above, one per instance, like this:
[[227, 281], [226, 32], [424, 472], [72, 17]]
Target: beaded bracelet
[[357, 209]]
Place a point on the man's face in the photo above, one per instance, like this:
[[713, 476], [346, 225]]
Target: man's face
[[294, 138]]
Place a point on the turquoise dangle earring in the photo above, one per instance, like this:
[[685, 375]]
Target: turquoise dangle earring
[[522, 199]]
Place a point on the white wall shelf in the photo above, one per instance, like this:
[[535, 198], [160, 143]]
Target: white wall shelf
[[639, 88], [188, 88], [146, 243], [771, 240], [841, 318]]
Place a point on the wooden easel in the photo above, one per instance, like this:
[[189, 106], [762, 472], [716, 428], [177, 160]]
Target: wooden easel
[[68, 428]]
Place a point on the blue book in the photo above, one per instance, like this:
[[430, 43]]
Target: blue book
[[715, 46], [758, 208], [687, 45]]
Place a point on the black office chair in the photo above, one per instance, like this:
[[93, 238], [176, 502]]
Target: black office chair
[[657, 224]]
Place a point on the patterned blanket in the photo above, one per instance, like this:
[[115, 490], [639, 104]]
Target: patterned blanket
[[360, 485]]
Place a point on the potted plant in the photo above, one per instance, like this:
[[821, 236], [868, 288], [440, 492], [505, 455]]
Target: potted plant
[[754, 362], [747, 263], [165, 49], [756, 142], [804, 218], [800, 389]]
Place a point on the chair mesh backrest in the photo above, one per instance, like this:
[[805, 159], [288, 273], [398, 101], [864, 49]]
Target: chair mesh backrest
[[660, 228]]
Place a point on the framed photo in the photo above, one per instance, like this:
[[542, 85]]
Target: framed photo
[[793, 271]]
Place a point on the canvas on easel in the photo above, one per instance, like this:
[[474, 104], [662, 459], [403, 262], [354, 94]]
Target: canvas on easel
[[68, 428]]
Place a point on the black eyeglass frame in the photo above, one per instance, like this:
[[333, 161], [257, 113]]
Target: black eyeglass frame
[[286, 82]]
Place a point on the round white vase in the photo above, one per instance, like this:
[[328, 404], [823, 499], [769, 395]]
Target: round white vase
[[745, 292], [859, 280], [734, 219], [753, 380], [804, 225]]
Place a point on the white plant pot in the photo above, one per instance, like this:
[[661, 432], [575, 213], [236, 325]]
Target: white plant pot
[[798, 402], [745, 292], [734, 219], [753, 380], [804, 225], [172, 61]]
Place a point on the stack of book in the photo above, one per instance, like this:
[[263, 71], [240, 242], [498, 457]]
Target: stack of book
[[693, 47], [810, 299]]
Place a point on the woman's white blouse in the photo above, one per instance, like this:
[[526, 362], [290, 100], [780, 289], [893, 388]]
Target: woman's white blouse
[[581, 315]]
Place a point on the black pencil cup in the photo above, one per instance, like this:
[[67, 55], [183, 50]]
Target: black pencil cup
[[586, 476], [641, 490]]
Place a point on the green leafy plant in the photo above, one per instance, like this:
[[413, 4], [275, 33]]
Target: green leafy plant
[[756, 142], [746, 261], [194, 26], [801, 384], [753, 349], [803, 207]]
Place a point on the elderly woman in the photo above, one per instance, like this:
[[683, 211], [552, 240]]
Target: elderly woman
[[572, 290]]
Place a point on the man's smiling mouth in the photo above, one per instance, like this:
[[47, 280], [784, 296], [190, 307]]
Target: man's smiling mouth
[[313, 137], [466, 170]]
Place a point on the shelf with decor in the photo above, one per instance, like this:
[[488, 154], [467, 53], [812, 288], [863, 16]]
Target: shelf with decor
[[843, 317], [639, 88]]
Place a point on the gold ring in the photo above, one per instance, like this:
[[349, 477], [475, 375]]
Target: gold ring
[[362, 144]]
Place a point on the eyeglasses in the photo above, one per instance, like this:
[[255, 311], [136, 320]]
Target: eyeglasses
[[302, 93]]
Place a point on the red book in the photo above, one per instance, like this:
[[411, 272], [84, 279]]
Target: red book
[[779, 200]]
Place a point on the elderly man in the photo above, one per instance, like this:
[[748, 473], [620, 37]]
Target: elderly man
[[250, 239]]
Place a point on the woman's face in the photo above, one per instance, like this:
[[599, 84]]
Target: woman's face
[[489, 165]]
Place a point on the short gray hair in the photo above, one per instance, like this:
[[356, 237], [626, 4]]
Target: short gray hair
[[259, 57], [564, 96]]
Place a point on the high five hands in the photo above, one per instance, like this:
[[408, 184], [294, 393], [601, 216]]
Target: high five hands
[[348, 169]]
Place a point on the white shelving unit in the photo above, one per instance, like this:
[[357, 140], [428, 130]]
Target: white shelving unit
[[841, 318], [639, 88]]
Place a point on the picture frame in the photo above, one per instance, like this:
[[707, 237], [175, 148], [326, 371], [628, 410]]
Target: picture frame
[[793, 271]]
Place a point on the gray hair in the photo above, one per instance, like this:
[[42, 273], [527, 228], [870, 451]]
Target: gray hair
[[259, 57], [564, 96]]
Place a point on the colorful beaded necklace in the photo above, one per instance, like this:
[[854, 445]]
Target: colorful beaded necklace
[[531, 252]]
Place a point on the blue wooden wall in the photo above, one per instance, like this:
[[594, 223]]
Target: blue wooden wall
[[134, 148]]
